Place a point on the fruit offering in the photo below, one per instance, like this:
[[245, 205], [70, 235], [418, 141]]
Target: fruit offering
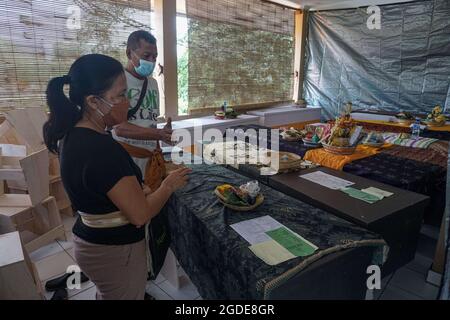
[[374, 139], [436, 117], [219, 115], [292, 134], [230, 113], [342, 131], [236, 196]]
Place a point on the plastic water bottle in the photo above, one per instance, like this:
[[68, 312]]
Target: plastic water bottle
[[416, 129]]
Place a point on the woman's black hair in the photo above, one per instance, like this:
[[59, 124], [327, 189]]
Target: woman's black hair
[[92, 74]]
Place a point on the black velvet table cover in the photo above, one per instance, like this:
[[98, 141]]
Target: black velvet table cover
[[217, 259], [406, 174], [441, 135]]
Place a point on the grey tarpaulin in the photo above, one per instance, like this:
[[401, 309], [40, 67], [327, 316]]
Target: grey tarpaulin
[[403, 66]]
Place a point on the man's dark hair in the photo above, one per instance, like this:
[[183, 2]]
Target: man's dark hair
[[136, 36]]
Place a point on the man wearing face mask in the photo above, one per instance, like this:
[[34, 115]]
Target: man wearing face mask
[[139, 135]]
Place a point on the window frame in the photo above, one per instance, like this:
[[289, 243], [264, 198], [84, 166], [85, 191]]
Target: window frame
[[166, 35]]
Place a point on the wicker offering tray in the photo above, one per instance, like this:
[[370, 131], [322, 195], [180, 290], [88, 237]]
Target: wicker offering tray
[[339, 150], [237, 198]]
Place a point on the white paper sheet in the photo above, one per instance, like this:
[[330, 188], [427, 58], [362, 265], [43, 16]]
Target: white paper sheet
[[377, 192], [355, 135], [327, 180], [254, 230]]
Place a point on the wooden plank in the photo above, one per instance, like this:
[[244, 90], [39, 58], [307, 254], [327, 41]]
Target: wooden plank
[[34, 273], [7, 225], [68, 211], [54, 169], [16, 281], [9, 135], [35, 170], [17, 186], [20, 120], [13, 211], [11, 249], [37, 117], [55, 179], [10, 162], [57, 190], [64, 204], [45, 239], [54, 217], [15, 200], [11, 174]]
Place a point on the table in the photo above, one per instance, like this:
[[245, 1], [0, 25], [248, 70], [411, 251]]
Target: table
[[386, 121], [219, 263], [287, 115], [396, 171], [296, 147], [197, 127], [409, 175], [397, 218]]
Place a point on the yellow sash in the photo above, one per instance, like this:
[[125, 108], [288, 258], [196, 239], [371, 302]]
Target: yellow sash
[[155, 169]]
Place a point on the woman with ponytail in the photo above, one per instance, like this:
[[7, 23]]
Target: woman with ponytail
[[101, 180]]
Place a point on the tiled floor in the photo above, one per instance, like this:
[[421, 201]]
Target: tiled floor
[[52, 261], [409, 282], [406, 283]]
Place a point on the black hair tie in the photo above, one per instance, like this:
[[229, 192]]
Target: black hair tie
[[66, 79]]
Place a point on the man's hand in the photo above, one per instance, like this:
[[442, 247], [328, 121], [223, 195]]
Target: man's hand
[[166, 132], [132, 131], [169, 123]]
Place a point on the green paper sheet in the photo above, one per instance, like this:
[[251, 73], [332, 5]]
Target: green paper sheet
[[361, 195], [297, 246]]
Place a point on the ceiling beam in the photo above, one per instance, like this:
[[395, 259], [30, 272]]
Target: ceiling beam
[[285, 4]]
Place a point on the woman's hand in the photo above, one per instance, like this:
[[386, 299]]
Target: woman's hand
[[176, 179], [146, 189]]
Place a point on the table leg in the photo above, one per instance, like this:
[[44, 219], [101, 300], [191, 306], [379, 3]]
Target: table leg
[[170, 270], [437, 269]]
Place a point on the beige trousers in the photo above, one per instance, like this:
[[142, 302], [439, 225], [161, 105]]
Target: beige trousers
[[118, 271]]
